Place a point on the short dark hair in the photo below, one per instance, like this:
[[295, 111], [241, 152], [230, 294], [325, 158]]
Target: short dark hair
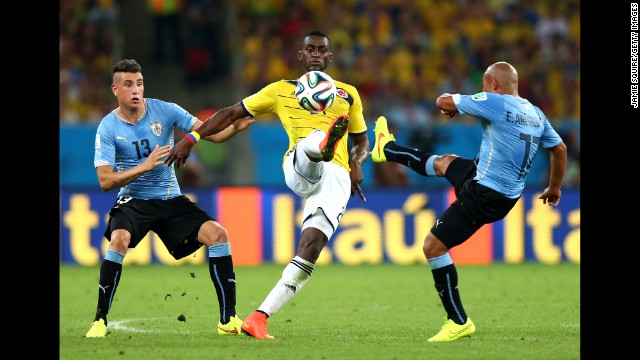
[[128, 66], [316, 33]]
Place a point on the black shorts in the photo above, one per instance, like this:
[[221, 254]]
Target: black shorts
[[475, 205], [176, 222]]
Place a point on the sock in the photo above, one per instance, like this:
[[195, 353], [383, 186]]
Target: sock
[[294, 276], [110, 273], [417, 160], [224, 279], [308, 146], [311, 144], [445, 278]]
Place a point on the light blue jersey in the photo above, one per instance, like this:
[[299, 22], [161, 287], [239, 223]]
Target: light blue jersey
[[123, 145], [512, 131]]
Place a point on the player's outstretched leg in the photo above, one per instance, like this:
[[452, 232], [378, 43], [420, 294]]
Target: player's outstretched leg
[[386, 148], [383, 136], [337, 129]]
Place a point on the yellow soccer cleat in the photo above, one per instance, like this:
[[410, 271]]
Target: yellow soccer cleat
[[233, 327], [451, 331], [383, 136], [98, 329]]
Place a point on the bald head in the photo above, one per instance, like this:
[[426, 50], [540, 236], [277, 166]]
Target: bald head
[[501, 78]]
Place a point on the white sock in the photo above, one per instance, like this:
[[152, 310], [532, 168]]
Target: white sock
[[309, 146], [294, 276]]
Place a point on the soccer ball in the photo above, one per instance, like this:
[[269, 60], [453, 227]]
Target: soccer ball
[[315, 91]]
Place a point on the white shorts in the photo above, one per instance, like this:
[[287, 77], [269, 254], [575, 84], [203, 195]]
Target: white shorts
[[326, 187]]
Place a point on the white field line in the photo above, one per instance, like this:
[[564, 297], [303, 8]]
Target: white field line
[[122, 325]]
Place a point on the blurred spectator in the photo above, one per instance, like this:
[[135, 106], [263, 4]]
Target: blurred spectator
[[571, 138], [167, 23], [89, 36], [213, 158], [476, 20], [206, 56], [411, 115], [551, 23], [293, 22], [390, 46], [385, 48], [104, 17], [514, 28], [458, 80], [538, 93], [391, 174]]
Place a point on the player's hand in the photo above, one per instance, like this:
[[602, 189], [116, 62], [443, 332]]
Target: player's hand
[[179, 153], [551, 196], [449, 114], [156, 158], [356, 176], [243, 123]]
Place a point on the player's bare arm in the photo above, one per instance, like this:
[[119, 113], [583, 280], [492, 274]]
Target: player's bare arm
[[229, 132], [214, 124], [110, 179], [446, 105], [358, 155], [558, 158]]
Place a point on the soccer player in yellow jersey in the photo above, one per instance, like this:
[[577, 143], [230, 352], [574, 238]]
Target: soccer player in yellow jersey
[[317, 165]]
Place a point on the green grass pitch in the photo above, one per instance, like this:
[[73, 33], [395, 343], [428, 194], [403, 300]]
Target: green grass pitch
[[387, 311]]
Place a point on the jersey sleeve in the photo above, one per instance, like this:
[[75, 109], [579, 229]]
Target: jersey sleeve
[[262, 102], [483, 105], [550, 136], [184, 120], [357, 124], [105, 150]]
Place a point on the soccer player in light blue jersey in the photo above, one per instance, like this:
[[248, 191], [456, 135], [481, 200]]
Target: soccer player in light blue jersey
[[487, 187], [131, 145]]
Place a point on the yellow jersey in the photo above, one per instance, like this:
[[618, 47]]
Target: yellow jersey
[[279, 98]]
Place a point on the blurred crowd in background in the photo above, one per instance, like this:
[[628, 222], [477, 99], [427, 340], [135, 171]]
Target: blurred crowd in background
[[399, 54]]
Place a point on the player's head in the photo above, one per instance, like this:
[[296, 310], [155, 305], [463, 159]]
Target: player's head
[[128, 84], [315, 53], [500, 78]]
